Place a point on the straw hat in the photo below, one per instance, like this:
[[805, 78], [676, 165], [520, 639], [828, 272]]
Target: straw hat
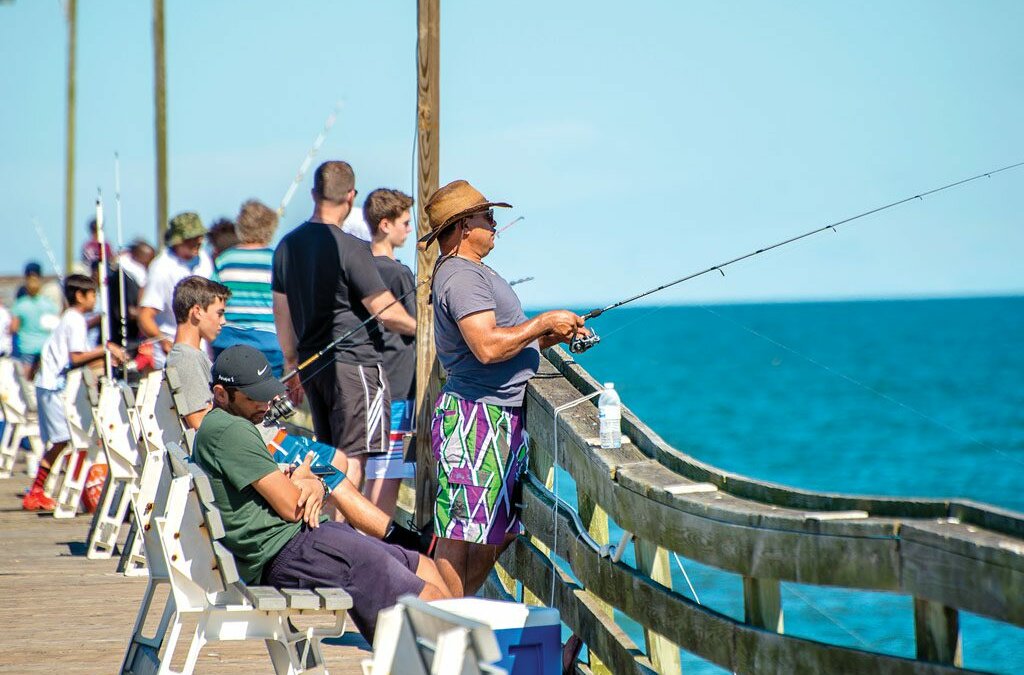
[[451, 202]]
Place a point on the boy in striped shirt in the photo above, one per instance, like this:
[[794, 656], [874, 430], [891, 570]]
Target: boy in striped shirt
[[245, 270]]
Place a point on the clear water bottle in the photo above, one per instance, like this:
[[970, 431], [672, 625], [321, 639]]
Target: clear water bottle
[[609, 411]]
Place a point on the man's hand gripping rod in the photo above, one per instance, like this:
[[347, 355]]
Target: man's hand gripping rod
[[281, 407]]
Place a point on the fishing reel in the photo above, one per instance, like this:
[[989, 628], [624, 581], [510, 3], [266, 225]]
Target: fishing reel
[[581, 343], [281, 407]]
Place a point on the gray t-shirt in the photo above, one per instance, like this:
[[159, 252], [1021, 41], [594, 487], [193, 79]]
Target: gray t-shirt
[[193, 367], [462, 287]]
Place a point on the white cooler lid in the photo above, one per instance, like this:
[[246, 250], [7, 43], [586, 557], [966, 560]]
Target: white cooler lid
[[499, 614]]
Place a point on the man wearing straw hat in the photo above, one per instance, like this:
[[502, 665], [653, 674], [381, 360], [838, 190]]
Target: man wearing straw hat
[[490, 350]]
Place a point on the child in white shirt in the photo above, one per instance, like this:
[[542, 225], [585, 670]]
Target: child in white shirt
[[67, 347]]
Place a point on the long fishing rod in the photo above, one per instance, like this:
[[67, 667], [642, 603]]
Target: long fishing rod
[[321, 137], [49, 250], [121, 303], [581, 343], [104, 296]]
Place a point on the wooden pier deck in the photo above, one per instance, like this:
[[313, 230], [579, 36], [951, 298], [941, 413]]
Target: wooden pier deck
[[61, 612]]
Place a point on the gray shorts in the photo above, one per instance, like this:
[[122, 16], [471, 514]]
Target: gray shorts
[[351, 407], [53, 421], [335, 555]]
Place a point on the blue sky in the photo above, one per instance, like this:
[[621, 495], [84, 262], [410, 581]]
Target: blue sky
[[640, 142]]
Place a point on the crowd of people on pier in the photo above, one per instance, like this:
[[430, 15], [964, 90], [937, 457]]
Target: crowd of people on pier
[[332, 307]]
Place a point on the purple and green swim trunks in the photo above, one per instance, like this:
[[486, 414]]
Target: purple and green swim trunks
[[481, 452]]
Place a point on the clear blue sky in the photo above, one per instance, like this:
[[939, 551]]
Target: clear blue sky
[[640, 141]]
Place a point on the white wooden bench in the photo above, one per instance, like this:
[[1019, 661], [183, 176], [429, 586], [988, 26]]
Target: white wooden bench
[[118, 428], [417, 638], [159, 425], [183, 551], [70, 470], [17, 403]]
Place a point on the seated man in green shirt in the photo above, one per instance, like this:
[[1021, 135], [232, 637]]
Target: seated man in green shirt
[[272, 520]]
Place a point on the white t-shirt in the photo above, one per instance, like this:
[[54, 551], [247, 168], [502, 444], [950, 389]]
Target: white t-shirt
[[165, 272], [133, 269], [6, 344], [356, 225], [70, 335]]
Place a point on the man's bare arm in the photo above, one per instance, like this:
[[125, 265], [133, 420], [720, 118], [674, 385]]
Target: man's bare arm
[[288, 499], [392, 314], [289, 344], [147, 324], [491, 344]]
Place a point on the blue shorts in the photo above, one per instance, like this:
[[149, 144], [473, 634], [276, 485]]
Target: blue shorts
[[392, 464], [293, 450], [263, 340], [53, 421]]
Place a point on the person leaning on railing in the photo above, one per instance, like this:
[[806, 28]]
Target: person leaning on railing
[[490, 351]]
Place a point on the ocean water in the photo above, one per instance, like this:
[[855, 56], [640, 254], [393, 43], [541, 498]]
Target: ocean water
[[912, 398]]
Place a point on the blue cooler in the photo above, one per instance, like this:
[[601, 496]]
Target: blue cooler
[[529, 637]]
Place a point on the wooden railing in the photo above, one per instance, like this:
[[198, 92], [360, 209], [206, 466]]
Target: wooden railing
[[947, 554]]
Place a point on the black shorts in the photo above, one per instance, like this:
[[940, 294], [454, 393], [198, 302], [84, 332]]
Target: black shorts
[[335, 555], [351, 407]]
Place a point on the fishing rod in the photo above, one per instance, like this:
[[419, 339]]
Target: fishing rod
[[104, 299], [498, 233], [321, 137], [520, 281], [49, 250], [281, 406], [121, 304], [580, 343]]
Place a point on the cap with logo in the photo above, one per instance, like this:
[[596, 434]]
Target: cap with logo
[[246, 369]]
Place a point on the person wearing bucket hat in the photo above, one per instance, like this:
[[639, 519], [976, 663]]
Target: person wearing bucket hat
[[490, 350], [182, 257], [272, 520]]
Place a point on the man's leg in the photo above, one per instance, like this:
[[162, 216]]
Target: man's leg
[[464, 566], [383, 492], [435, 587]]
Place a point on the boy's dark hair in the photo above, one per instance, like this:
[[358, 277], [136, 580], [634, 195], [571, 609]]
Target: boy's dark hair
[[196, 292], [384, 203], [333, 180], [222, 235], [75, 284]]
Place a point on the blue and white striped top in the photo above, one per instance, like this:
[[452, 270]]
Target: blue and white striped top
[[246, 271]]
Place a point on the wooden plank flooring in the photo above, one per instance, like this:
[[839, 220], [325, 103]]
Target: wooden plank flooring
[[63, 613]]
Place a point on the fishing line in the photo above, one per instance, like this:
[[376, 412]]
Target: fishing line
[[962, 434], [581, 343]]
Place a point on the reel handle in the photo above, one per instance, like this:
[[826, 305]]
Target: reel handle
[[580, 343], [280, 408]]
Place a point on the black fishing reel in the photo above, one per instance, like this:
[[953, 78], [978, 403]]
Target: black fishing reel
[[281, 407], [581, 343]]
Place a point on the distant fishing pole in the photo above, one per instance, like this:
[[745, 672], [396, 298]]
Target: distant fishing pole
[[498, 233], [121, 303], [104, 296], [321, 137], [49, 251], [581, 344], [520, 281]]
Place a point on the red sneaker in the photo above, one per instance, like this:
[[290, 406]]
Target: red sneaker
[[35, 500]]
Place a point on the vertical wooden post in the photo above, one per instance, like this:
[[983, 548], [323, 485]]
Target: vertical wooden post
[[762, 603], [542, 466], [653, 561], [428, 382], [160, 112], [937, 631], [69, 169], [596, 520]]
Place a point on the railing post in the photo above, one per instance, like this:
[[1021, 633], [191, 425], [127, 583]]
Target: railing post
[[544, 469], [937, 631], [762, 603], [653, 561], [596, 520]]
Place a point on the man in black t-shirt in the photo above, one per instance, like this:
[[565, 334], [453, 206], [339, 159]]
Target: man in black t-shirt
[[325, 284], [387, 215]]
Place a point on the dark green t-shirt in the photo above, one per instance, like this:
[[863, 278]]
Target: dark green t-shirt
[[233, 454]]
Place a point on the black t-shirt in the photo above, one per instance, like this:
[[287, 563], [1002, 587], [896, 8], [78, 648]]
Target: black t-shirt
[[326, 273], [399, 350]]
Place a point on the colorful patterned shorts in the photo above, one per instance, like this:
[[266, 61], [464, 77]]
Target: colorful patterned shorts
[[481, 451]]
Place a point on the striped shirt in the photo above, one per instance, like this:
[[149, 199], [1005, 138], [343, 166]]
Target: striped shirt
[[246, 271]]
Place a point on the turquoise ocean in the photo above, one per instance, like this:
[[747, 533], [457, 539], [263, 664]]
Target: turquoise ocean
[[902, 397]]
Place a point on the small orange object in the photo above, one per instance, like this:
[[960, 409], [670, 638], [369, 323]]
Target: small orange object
[[93, 492]]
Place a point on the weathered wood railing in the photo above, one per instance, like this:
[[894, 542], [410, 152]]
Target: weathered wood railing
[[947, 554]]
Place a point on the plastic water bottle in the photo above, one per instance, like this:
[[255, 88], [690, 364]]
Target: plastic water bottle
[[609, 411]]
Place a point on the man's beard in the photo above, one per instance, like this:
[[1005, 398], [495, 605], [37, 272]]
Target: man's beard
[[256, 418]]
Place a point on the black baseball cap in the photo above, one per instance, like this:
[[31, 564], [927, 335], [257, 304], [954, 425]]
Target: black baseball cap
[[247, 370], [33, 268]]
